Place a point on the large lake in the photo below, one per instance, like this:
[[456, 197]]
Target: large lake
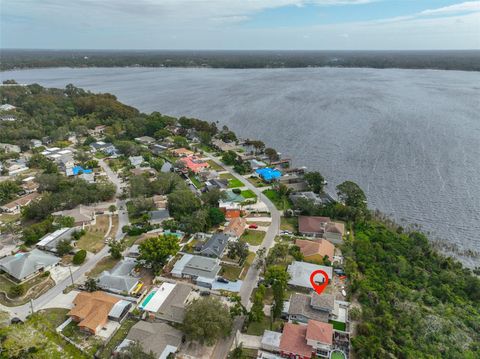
[[410, 138]]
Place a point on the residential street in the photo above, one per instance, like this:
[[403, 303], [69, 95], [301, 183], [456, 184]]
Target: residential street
[[223, 346], [24, 310]]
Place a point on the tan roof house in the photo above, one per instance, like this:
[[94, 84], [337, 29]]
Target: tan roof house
[[236, 227], [182, 152], [82, 215], [15, 206], [315, 250], [313, 226], [91, 310]]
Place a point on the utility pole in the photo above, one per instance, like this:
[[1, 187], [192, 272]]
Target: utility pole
[[31, 305], [71, 276]]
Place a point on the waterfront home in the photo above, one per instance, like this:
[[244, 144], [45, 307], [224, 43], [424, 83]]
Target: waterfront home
[[303, 307], [306, 341], [316, 250], [300, 274], [24, 266], [315, 198], [314, 226], [269, 174], [15, 206]]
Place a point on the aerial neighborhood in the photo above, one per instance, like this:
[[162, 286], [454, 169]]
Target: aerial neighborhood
[[167, 237]]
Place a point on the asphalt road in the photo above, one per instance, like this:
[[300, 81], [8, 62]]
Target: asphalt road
[[249, 283], [24, 310]]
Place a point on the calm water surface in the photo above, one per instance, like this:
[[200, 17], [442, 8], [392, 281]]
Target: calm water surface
[[410, 138]]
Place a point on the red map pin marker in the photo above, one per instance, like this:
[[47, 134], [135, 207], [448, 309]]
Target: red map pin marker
[[319, 288]]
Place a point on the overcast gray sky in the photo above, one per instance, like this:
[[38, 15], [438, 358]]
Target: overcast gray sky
[[240, 24]]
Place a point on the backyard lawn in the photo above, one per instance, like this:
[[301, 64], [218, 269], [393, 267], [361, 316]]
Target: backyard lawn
[[106, 263], [289, 224], [257, 328], [93, 240], [254, 238], [257, 182], [247, 264], [90, 343], [214, 166], [230, 273], [196, 182], [235, 183], [280, 202], [227, 176], [248, 194]]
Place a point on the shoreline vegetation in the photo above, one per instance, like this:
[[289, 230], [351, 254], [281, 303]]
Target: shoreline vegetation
[[414, 301], [463, 60]]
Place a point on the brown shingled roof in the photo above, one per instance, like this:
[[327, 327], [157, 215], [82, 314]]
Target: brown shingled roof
[[321, 247], [91, 309], [312, 224], [321, 332], [236, 227], [293, 340]]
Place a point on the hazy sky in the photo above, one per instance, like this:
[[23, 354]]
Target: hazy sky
[[240, 24]]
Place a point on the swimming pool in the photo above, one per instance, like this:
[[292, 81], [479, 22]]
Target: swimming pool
[[147, 299]]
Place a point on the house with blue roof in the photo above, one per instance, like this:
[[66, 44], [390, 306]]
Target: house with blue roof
[[269, 174]]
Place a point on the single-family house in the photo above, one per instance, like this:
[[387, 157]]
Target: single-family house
[[194, 164], [202, 270], [8, 118], [181, 152], [216, 183], [271, 341], [26, 265], [35, 143], [136, 161], [104, 147], [145, 140], [158, 149], [29, 185], [82, 215], [92, 311], [7, 107], [305, 341], [303, 307], [300, 274], [16, 166], [120, 279], [50, 241], [315, 198], [312, 226], [166, 167], [168, 301], [97, 131], [235, 227], [316, 250], [214, 246], [158, 338], [158, 216], [269, 174], [16, 205]]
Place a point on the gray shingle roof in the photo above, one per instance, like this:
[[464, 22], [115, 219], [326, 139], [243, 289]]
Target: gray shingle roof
[[215, 246], [155, 336], [22, 265], [118, 279], [300, 305]]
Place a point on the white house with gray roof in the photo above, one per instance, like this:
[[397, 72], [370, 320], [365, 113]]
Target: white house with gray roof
[[202, 270], [300, 274], [119, 280], [24, 266], [50, 241]]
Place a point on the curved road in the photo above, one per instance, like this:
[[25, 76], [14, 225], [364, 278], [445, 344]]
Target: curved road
[[249, 283], [24, 310]]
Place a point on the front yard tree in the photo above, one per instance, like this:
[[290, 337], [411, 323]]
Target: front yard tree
[[272, 154], [183, 203], [207, 320], [134, 351], [91, 284], [256, 312], [64, 247], [277, 277], [315, 181], [156, 250], [116, 249], [237, 249]]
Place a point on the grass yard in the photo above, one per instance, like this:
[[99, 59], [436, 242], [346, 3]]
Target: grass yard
[[90, 343], [231, 273], [248, 194], [39, 333], [254, 238], [227, 176], [235, 183], [280, 202], [106, 263], [40, 283], [93, 240], [214, 166], [338, 325], [9, 218], [257, 182], [117, 338], [196, 182], [289, 224], [247, 264], [257, 328]]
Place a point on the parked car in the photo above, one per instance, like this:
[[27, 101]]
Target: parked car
[[253, 226], [205, 293], [16, 320], [222, 280]]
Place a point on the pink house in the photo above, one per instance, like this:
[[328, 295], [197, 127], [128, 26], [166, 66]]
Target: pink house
[[194, 164]]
